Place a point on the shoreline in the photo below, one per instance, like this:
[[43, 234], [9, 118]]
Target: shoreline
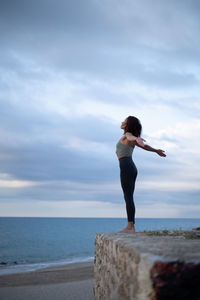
[[15, 268], [50, 275]]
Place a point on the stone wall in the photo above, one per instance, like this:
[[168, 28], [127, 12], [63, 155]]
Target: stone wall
[[138, 266]]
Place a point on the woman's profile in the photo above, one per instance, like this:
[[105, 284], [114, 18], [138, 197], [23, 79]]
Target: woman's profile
[[128, 171]]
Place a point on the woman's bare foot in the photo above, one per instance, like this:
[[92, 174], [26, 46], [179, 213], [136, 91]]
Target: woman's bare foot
[[127, 229]]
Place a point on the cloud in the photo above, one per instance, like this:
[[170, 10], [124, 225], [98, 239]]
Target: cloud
[[71, 72], [146, 41], [7, 182]]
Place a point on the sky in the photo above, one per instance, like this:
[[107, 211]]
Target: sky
[[71, 72]]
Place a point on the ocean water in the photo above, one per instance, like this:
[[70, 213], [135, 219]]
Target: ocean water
[[28, 244]]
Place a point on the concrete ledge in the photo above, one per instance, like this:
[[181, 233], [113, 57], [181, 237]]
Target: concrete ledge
[[139, 266]]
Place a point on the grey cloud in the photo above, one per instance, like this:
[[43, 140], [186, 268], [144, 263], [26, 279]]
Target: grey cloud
[[34, 144], [172, 197], [24, 121], [154, 43], [94, 38], [50, 162]]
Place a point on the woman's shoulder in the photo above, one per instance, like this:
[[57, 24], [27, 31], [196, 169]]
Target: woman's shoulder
[[125, 141]]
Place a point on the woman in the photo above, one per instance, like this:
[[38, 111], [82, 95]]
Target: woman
[[128, 171]]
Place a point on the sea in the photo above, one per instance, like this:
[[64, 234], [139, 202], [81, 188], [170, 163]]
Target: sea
[[29, 244]]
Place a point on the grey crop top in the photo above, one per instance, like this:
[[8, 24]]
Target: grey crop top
[[123, 150]]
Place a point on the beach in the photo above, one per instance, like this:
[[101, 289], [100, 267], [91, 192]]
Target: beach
[[72, 281]]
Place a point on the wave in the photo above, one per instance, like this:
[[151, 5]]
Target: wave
[[15, 268]]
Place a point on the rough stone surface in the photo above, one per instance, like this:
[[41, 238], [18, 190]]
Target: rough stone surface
[[138, 266]]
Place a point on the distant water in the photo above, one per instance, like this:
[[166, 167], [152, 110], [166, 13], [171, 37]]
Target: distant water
[[27, 244]]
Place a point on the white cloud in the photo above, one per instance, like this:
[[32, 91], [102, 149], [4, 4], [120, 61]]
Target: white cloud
[[96, 209], [7, 181], [169, 185], [55, 208], [88, 147], [17, 183], [165, 210], [186, 135]]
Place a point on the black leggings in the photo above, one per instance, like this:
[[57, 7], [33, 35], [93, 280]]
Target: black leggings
[[128, 174]]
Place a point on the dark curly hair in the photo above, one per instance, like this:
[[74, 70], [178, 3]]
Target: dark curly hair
[[134, 126]]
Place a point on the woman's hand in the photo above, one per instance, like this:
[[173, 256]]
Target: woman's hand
[[160, 152], [140, 140]]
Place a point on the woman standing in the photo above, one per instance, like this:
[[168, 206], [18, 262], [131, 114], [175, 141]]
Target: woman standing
[[128, 171]]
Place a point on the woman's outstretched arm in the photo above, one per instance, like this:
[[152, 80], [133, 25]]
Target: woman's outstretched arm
[[149, 148], [139, 142]]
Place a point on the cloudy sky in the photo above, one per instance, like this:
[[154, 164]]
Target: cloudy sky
[[71, 72]]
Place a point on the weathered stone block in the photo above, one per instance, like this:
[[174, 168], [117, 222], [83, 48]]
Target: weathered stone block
[[138, 266]]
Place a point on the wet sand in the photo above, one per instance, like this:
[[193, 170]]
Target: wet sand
[[72, 281]]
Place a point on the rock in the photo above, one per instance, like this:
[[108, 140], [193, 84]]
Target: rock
[[141, 266], [198, 228]]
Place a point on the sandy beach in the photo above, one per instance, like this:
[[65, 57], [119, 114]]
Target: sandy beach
[[69, 282]]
